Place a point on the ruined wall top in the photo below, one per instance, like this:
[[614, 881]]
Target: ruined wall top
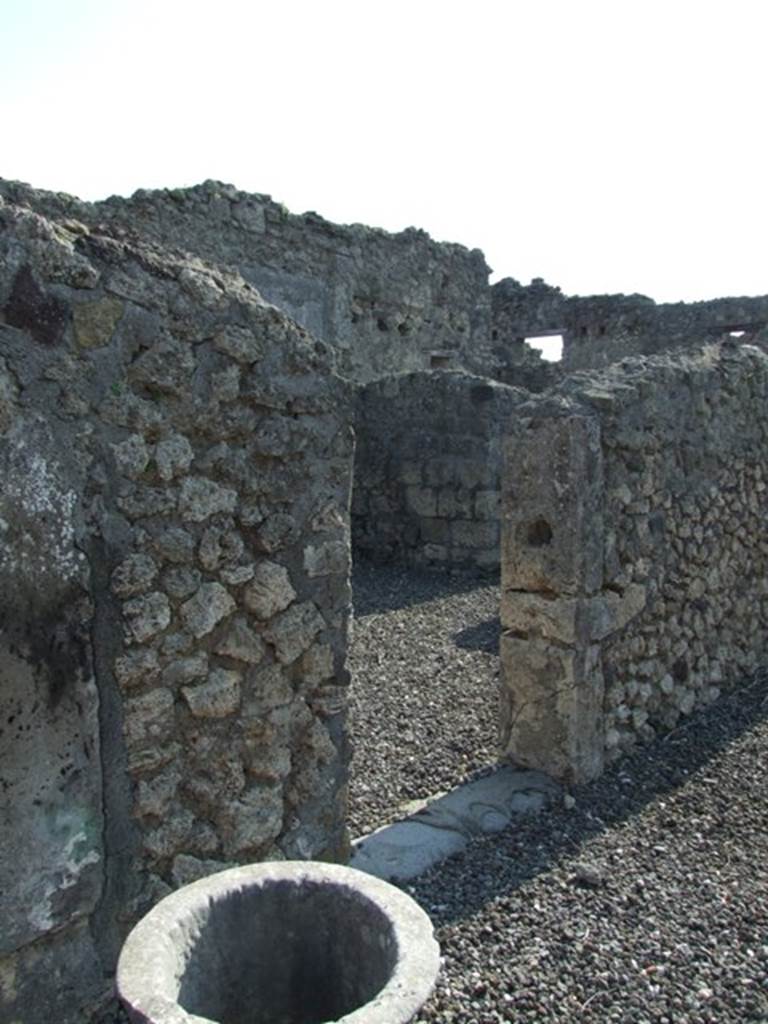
[[599, 330], [386, 302], [398, 303]]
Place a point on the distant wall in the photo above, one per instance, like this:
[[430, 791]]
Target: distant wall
[[602, 329], [427, 469], [175, 464], [635, 553], [387, 303]]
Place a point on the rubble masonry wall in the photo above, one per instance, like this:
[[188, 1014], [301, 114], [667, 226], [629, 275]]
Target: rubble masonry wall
[[602, 329], [386, 303], [428, 469], [634, 583], [175, 461]]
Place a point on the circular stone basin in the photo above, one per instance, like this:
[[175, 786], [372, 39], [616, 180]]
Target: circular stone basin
[[292, 942]]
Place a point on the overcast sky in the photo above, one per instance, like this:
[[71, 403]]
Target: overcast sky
[[604, 146]]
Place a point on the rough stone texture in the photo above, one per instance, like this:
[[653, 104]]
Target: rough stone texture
[[51, 846], [175, 462], [601, 329], [291, 942], [428, 468], [387, 303], [166, 439], [634, 553]]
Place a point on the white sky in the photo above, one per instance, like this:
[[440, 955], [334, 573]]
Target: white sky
[[604, 146]]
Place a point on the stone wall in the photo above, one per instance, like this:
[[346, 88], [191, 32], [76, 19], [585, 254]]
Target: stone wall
[[427, 468], [176, 460], [387, 303], [602, 329], [635, 553]]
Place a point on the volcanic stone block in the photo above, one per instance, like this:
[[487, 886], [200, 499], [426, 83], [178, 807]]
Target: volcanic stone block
[[551, 715], [552, 538]]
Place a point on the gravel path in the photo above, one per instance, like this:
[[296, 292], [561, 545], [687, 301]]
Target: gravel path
[[424, 710], [645, 902]]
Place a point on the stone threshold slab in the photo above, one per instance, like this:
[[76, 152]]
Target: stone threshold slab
[[442, 826]]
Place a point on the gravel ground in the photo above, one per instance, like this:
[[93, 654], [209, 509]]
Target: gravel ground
[[647, 901], [425, 706]]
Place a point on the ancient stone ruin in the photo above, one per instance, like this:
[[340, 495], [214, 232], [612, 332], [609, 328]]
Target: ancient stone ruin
[[175, 562], [202, 399], [635, 567]]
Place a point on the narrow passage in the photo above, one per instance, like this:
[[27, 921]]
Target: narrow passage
[[424, 706]]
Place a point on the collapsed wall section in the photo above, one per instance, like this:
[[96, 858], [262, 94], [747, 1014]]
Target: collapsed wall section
[[176, 460], [634, 583], [428, 469]]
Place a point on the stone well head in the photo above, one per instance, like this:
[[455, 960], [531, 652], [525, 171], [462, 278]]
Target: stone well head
[[293, 942]]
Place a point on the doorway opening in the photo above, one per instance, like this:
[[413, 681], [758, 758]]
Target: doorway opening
[[424, 703]]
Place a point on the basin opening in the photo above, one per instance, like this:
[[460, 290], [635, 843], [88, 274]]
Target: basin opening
[[283, 953]]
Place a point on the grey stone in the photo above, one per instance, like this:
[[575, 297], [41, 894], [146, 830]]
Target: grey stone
[[269, 591], [237, 575], [149, 718], [201, 498], [137, 666], [268, 687], [188, 869], [317, 664], [441, 827], [327, 559], [241, 643], [293, 632], [225, 385], [155, 796], [132, 456], [276, 532], [184, 670], [181, 582], [239, 343], [381, 967], [218, 697], [147, 616], [142, 502], [175, 545], [207, 608], [173, 457], [254, 819], [134, 575]]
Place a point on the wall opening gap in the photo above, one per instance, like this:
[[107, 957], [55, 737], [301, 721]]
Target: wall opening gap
[[550, 346]]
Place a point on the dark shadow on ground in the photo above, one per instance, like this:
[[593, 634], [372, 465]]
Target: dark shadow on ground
[[484, 636], [384, 588], [668, 767]]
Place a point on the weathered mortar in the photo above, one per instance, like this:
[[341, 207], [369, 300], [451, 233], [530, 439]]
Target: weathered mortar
[[634, 553], [174, 504], [428, 468]]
